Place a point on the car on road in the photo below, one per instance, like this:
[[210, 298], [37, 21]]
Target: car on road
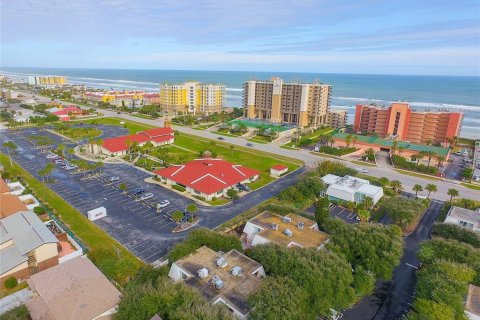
[[163, 204], [249, 144], [360, 169], [114, 178], [138, 191], [220, 138], [242, 187], [59, 161], [146, 196]]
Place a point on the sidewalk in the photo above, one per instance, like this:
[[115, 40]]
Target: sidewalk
[[14, 300]]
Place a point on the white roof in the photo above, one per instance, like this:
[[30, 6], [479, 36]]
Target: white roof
[[345, 187]]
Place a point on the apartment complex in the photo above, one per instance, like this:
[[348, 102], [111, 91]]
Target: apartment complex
[[337, 118], [46, 80], [116, 98], [400, 121], [192, 97], [300, 104]]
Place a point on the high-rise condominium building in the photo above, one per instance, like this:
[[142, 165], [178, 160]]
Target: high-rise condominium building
[[46, 80], [295, 103], [400, 121], [192, 97], [337, 118]]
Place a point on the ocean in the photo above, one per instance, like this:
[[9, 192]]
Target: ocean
[[421, 92]]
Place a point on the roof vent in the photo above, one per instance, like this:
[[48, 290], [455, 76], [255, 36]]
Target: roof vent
[[217, 282], [287, 219], [202, 273], [221, 262], [301, 225], [288, 232], [236, 271], [274, 226]]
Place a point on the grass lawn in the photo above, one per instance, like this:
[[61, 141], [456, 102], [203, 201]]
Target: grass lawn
[[419, 175], [286, 146], [80, 133], [87, 231], [218, 201], [5, 292], [228, 134], [132, 126], [323, 155], [144, 116], [471, 186], [176, 155], [148, 164], [260, 139], [363, 163]]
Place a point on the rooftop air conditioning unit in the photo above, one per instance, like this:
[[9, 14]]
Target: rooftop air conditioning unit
[[202, 273], [288, 232], [221, 262], [287, 219], [236, 271], [219, 284], [274, 226], [301, 225]]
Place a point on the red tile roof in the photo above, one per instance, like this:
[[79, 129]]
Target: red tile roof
[[279, 167], [161, 139], [207, 175], [120, 143], [156, 132]]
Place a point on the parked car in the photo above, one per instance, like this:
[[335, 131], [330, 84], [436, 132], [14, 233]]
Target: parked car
[[220, 138], [249, 144], [163, 204], [51, 156], [114, 178], [138, 191], [364, 170], [242, 187], [146, 196], [68, 168]]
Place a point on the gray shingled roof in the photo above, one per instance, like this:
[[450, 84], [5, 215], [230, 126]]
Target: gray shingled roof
[[27, 232]]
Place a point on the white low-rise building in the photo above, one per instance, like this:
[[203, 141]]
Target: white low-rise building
[[348, 188], [466, 218]]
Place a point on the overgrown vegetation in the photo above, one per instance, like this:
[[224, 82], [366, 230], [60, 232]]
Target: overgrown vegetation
[[336, 151], [401, 162], [456, 232], [403, 212], [18, 313]]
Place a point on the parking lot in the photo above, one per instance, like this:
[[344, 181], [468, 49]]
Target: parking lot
[[135, 224], [343, 213]]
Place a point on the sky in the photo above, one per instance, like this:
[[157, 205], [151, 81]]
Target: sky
[[440, 37]]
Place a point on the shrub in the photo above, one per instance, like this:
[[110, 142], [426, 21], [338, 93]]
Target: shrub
[[117, 268], [39, 210], [401, 162], [337, 151], [11, 282], [339, 169], [18, 313], [178, 187], [402, 211], [456, 232]]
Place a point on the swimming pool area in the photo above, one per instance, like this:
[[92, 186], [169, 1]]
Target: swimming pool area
[[254, 123]]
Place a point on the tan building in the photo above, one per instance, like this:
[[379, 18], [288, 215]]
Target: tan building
[[192, 97], [294, 103], [227, 278], [337, 118], [400, 121], [46, 80], [26, 246]]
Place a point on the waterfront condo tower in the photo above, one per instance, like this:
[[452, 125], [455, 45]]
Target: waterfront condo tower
[[295, 103], [401, 122], [46, 80], [192, 97]]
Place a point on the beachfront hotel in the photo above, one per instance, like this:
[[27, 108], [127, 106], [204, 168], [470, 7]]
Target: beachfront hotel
[[192, 97], [46, 80], [405, 124], [301, 104]]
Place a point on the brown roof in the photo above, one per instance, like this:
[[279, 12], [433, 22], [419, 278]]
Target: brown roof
[[307, 238], [10, 204], [236, 289], [4, 187], [473, 300], [74, 290]]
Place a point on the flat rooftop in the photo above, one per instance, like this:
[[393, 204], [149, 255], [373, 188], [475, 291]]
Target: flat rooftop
[[465, 214], [307, 238], [350, 184], [388, 143], [236, 289]]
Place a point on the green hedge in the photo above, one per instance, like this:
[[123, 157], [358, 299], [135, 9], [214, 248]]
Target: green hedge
[[402, 211], [401, 162], [337, 151], [456, 232], [178, 187], [11, 282]]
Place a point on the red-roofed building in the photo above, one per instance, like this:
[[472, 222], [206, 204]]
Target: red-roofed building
[[207, 178], [278, 169], [119, 146]]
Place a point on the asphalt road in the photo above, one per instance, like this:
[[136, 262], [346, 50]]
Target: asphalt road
[[392, 300], [133, 223]]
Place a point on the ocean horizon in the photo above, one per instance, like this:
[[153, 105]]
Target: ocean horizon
[[422, 92]]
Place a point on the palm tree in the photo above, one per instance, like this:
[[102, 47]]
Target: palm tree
[[348, 139], [396, 185], [420, 156], [91, 141], [430, 188], [354, 140], [440, 159], [452, 193], [70, 151], [10, 146], [367, 202], [332, 141], [394, 147], [384, 181], [363, 215], [369, 153], [401, 149], [417, 188], [61, 147], [430, 155]]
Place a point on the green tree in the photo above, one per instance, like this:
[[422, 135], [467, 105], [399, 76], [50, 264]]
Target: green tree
[[430, 188], [452, 193], [177, 216], [367, 202], [322, 212], [348, 140], [430, 155], [280, 296], [11, 146], [396, 186], [456, 232], [467, 174], [363, 215], [123, 187], [440, 159], [417, 188], [232, 193], [383, 181], [394, 147]]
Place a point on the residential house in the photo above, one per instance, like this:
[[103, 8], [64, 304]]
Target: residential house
[[466, 218], [119, 145], [350, 188]]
